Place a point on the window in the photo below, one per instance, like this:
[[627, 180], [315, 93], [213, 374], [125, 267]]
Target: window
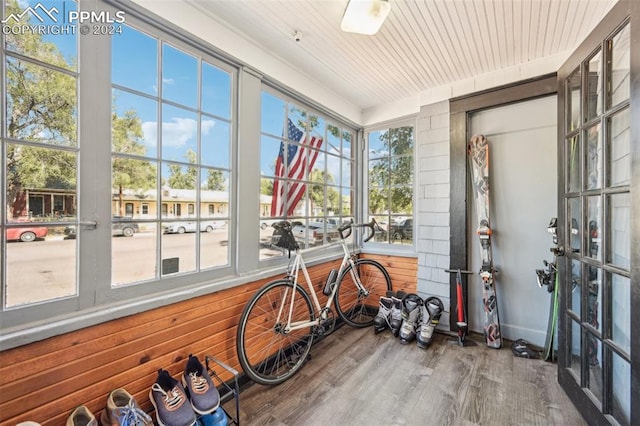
[[150, 124], [40, 162], [171, 137], [306, 168], [151, 146], [390, 183]]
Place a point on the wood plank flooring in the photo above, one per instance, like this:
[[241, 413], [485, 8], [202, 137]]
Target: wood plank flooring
[[356, 377]]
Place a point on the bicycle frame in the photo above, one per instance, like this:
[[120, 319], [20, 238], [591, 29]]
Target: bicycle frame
[[293, 273]]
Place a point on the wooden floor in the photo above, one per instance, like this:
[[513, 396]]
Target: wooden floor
[[356, 377]]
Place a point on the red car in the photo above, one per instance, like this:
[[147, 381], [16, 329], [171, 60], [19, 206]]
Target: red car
[[26, 234]]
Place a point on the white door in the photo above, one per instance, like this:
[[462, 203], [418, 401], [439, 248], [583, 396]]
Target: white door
[[523, 193]]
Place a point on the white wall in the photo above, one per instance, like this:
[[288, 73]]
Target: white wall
[[523, 198], [433, 210]]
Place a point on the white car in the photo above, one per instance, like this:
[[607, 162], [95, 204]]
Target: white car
[[191, 226], [314, 233], [264, 224]]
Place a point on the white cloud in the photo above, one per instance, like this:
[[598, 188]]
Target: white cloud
[[178, 131], [168, 80], [150, 131], [207, 125], [175, 133]]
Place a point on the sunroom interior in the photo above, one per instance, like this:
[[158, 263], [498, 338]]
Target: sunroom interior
[[150, 146]]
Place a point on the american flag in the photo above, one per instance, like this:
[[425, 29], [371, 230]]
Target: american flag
[[300, 158]]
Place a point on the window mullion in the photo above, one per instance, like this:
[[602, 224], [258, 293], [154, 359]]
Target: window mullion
[[94, 187]]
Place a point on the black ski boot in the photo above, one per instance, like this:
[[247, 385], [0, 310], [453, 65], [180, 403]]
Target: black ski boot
[[411, 312], [395, 316], [431, 312], [381, 321]]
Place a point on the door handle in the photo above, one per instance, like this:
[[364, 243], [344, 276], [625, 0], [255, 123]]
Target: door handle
[[91, 224]]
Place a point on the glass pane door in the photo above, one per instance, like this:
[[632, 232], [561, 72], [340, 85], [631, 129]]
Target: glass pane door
[[596, 350]]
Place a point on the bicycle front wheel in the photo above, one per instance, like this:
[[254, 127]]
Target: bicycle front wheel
[[268, 353], [358, 305]]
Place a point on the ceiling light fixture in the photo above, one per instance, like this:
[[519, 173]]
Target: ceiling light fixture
[[365, 16]]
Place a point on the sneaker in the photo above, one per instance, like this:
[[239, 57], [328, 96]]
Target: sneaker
[[217, 418], [431, 312], [381, 321], [81, 416], [411, 312], [395, 316], [123, 410], [203, 394], [170, 401]]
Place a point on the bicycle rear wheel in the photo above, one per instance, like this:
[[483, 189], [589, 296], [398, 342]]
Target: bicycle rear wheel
[[266, 353], [359, 307]]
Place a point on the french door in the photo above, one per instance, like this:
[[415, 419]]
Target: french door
[[599, 231]]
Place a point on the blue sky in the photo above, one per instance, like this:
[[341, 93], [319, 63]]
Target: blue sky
[[66, 43], [138, 75], [179, 73]]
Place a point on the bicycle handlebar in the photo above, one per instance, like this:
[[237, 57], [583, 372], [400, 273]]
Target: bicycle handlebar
[[286, 226], [349, 226]]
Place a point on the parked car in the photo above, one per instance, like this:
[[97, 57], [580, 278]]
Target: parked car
[[402, 230], [380, 231], [125, 229], [264, 224], [314, 233], [26, 234], [121, 228], [191, 226]]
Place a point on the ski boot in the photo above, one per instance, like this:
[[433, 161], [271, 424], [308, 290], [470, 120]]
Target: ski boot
[[381, 321], [411, 311], [395, 316], [431, 312]]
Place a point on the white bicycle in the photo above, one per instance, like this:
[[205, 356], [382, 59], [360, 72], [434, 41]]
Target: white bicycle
[[279, 323]]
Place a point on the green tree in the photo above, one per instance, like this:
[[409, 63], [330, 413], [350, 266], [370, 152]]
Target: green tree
[[317, 192], [266, 186], [391, 178], [187, 179], [129, 173], [215, 181], [41, 108]]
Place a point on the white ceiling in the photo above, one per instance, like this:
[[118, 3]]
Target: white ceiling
[[423, 45]]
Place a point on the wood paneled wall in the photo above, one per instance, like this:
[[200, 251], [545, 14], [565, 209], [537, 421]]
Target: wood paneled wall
[[44, 381]]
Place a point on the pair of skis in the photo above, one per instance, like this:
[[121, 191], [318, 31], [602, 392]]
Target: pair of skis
[[478, 152], [549, 277]]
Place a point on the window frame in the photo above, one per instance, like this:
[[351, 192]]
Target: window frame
[[379, 247], [97, 301], [327, 250]]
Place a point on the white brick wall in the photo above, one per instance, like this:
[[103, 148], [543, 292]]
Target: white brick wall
[[433, 203]]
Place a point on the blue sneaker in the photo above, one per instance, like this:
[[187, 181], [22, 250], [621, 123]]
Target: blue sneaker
[[203, 394], [217, 418], [170, 401]]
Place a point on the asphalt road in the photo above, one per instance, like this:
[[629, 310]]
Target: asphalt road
[[46, 269]]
